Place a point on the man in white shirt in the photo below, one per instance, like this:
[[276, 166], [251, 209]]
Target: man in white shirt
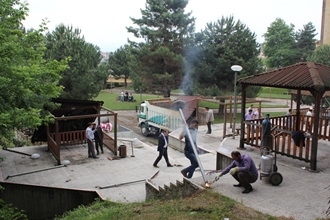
[[308, 121], [162, 148], [209, 119], [90, 138]]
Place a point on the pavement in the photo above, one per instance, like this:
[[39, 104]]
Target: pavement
[[303, 194]]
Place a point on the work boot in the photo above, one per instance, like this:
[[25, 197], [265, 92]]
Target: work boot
[[247, 190]]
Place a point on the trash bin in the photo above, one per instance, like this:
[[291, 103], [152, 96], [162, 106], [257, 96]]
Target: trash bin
[[122, 151]]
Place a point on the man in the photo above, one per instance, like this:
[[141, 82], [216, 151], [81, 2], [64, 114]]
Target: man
[[188, 149], [98, 138], [209, 119], [249, 115], [162, 148], [122, 96], [309, 121], [90, 138], [243, 170], [256, 114], [288, 119], [251, 107]]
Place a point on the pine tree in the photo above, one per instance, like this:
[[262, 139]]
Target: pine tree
[[164, 26]]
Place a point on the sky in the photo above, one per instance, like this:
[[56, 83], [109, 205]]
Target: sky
[[103, 22]]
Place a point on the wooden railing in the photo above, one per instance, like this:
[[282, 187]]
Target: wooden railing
[[284, 142], [71, 137], [52, 146], [74, 138]]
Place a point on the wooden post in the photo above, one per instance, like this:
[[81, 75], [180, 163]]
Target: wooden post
[[318, 97], [298, 110], [224, 133], [58, 142], [231, 112], [241, 143], [115, 134]]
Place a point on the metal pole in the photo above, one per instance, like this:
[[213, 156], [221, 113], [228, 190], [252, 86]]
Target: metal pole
[[193, 146], [235, 107]]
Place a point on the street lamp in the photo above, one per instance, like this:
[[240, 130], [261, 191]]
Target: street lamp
[[235, 68]]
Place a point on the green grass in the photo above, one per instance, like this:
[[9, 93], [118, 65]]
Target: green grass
[[204, 205], [213, 105], [276, 93], [110, 102]]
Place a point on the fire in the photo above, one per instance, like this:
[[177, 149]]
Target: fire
[[207, 185]]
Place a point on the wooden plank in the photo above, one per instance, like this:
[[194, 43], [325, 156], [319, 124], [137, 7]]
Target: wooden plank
[[284, 136], [289, 141], [307, 148]]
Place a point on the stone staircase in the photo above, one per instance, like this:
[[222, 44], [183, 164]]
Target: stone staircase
[[179, 190]]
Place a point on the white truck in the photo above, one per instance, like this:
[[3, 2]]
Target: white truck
[[157, 114]]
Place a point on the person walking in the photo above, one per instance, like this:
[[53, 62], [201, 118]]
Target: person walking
[[90, 138], [209, 119], [243, 170], [188, 149], [162, 148], [98, 138]]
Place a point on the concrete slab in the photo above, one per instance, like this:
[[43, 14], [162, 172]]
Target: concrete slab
[[302, 195]]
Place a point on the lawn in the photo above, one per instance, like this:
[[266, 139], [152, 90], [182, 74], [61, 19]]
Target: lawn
[[204, 205], [275, 93], [110, 102]]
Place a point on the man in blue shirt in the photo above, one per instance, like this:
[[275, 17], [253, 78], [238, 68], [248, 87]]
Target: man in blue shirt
[[243, 170]]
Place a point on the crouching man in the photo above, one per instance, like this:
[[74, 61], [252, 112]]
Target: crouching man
[[243, 170]]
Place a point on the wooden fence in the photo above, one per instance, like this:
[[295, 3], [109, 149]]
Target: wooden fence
[[74, 138], [283, 143]]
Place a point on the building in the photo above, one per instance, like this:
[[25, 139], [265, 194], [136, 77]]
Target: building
[[325, 25]]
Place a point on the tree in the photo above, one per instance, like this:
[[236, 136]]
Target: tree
[[28, 82], [82, 80], [280, 47], [305, 40], [219, 46], [119, 62], [321, 55], [164, 26], [105, 70]]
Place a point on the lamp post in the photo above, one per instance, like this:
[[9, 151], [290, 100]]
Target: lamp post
[[235, 68]]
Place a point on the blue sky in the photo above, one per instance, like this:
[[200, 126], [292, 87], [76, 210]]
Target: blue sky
[[103, 22]]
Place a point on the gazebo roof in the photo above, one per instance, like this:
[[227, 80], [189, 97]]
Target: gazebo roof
[[301, 76]]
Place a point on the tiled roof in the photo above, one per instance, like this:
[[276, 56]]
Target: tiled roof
[[300, 76]]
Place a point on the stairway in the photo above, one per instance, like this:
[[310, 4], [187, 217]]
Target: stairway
[[178, 190]]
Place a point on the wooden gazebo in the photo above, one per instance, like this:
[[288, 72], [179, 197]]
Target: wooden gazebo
[[70, 122], [306, 76]]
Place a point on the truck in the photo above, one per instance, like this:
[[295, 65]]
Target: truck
[[156, 114]]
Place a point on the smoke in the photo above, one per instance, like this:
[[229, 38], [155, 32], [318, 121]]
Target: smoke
[[188, 84]]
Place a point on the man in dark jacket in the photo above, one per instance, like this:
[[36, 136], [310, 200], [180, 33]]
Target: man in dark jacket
[[162, 148], [98, 138]]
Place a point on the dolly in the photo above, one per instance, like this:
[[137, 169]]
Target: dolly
[[268, 168]]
